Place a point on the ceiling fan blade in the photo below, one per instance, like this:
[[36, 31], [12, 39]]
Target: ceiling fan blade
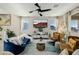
[[36, 4], [45, 10], [31, 11], [40, 14]]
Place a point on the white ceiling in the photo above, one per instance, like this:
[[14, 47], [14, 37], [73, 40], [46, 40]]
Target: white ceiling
[[22, 9]]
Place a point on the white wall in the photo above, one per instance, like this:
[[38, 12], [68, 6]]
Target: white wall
[[15, 25]]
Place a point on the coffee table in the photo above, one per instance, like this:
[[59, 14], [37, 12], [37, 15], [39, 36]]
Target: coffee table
[[41, 46]]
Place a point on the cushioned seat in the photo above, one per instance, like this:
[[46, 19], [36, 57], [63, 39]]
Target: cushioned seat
[[72, 45], [57, 44], [15, 49]]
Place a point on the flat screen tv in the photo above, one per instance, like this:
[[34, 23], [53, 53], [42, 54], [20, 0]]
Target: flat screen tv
[[40, 23]]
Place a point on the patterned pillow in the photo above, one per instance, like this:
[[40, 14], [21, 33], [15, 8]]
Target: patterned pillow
[[26, 36], [72, 43], [25, 40], [64, 52], [14, 40]]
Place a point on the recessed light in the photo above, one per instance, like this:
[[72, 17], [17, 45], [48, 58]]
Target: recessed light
[[56, 5]]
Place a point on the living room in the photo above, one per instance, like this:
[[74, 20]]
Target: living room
[[54, 31]]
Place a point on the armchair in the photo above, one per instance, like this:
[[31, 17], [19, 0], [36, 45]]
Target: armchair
[[57, 36], [72, 45]]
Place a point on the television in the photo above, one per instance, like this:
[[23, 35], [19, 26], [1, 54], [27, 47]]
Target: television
[[40, 23]]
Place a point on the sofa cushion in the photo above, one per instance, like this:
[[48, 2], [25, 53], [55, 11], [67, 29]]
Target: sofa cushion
[[64, 52], [72, 43], [25, 41], [76, 52], [15, 40], [21, 37], [15, 49]]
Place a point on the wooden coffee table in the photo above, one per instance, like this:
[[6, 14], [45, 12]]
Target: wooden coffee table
[[40, 46]]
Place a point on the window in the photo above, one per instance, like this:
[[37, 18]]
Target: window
[[53, 24], [74, 25], [24, 25]]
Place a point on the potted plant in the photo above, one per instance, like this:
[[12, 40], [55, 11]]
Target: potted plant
[[10, 33]]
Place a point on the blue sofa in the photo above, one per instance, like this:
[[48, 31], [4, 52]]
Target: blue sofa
[[16, 49]]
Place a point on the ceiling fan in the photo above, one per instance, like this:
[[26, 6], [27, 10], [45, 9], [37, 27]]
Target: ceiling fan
[[39, 10]]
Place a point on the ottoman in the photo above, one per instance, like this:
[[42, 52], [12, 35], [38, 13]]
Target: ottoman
[[40, 46]]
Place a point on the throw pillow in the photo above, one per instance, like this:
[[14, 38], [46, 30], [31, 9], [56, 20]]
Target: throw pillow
[[72, 43], [26, 36], [64, 52], [14, 40], [76, 52]]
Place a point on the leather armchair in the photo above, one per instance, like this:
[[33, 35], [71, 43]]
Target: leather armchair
[[57, 36], [72, 45]]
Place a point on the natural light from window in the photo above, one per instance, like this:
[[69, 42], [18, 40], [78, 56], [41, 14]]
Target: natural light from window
[[74, 25]]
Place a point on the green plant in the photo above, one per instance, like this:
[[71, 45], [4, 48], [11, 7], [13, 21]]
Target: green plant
[[40, 29], [1, 28], [0, 19], [10, 33]]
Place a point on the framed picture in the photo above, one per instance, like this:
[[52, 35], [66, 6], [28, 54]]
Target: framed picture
[[5, 19], [40, 23]]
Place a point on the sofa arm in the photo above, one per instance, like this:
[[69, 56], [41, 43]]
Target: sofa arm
[[25, 42]]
